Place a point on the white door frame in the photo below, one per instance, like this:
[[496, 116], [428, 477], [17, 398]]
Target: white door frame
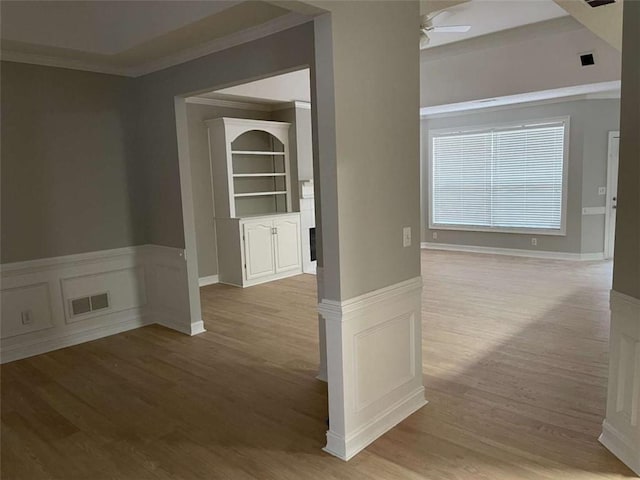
[[612, 183]]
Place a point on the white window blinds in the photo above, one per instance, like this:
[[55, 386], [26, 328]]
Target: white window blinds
[[502, 179]]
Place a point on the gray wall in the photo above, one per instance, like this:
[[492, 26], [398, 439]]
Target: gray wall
[[590, 122], [70, 180], [536, 57], [367, 129], [626, 271], [201, 178]]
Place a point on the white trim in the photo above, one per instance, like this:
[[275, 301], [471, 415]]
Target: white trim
[[621, 427], [59, 62], [334, 310], [565, 120], [302, 105], [48, 344], [276, 25], [620, 446], [594, 211], [209, 280], [608, 234], [293, 104], [514, 252], [219, 102], [157, 295], [363, 334], [347, 448], [591, 91], [23, 267]]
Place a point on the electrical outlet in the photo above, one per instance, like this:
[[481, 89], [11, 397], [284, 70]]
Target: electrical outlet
[[26, 317], [406, 236], [435, 235], [602, 190], [534, 242]]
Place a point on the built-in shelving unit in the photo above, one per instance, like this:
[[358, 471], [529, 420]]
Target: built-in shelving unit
[[257, 232]]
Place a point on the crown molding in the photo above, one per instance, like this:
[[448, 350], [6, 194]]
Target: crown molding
[[302, 105], [219, 102], [60, 62], [592, 91], [276, 25]]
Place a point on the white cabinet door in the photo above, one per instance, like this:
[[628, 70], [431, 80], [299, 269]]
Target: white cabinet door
[[258, 249], [287, 244]]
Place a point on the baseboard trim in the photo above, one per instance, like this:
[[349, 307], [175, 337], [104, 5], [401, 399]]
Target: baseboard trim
[[157, 293], [209, 280], [45, 345], [621, 447], [190, 329], [346, 449], [513, 252]]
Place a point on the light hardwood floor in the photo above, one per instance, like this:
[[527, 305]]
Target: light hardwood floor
[[515, 362]]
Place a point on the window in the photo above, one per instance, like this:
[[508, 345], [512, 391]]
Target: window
[[508, 179]]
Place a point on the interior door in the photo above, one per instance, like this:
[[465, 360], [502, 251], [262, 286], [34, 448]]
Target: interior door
[[287, 244], [612, 194], [258, 249]]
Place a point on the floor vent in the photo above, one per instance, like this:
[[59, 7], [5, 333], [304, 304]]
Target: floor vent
[[81, 306]]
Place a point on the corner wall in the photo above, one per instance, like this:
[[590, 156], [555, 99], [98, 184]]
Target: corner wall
[[71, 180]]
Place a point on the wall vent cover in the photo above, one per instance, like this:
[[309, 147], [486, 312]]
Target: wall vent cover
[[599, 3], [81, 306], [587, 59]]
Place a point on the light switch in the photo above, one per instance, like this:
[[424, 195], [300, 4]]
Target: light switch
[[406, 237]]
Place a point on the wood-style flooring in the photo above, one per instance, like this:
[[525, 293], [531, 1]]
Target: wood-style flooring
[[515, 366]]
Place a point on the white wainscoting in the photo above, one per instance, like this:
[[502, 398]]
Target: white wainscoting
[[144, 284], [374, 363], [621, 428], [514, 252]]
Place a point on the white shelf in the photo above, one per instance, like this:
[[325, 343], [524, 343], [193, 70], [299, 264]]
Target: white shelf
[[254, 152], [250, 175], [260, 194]]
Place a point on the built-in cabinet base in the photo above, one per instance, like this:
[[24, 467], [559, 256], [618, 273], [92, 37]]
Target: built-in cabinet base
[[258, 249]]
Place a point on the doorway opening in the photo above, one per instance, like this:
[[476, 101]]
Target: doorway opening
[[247, 170], [612, 194]]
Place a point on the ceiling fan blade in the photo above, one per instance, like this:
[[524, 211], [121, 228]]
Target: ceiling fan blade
[[450, 29]]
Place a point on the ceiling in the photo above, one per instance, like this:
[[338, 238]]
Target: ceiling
[[132, 37], [288, 87], [488, 16]]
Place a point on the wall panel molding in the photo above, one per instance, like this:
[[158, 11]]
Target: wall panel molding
[[144, 284], [374, 356], [621, 428]]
